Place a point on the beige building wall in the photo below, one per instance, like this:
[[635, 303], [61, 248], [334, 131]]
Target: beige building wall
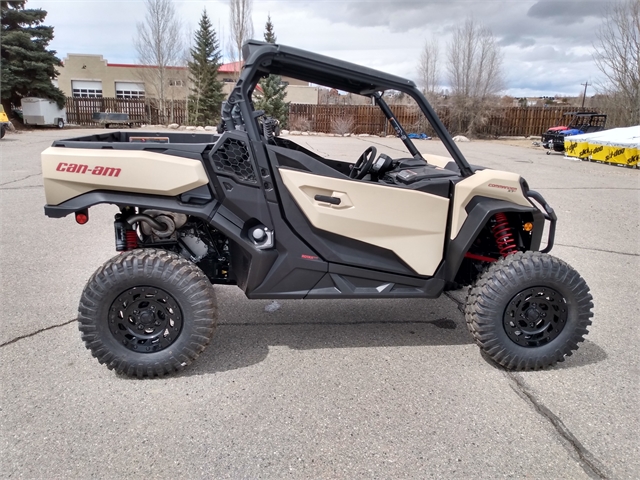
[[302, 94], [95, 68]]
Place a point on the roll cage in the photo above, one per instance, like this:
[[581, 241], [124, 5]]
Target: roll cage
[[263, 59]]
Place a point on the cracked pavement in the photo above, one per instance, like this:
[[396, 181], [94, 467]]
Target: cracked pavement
[[320, 389]]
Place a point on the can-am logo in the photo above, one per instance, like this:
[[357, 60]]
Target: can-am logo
[[80, 168], [503, 187]]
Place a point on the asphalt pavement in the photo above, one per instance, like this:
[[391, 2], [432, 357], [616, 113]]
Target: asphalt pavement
[[320, 389]]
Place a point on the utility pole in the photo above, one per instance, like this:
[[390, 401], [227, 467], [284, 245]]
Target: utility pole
[[584, 95]]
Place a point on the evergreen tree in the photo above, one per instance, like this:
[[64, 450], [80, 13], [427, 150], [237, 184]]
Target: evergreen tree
[[27, 66], [273, 96], [206, 96], [269, 35]]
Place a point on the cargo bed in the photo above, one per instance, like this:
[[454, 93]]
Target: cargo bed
[[189, 145]]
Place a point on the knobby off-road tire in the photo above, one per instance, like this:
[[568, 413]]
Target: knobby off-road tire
[[529, 310], [147, 313]]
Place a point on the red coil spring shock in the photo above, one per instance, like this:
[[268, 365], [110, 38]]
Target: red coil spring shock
[[132, 239], [503, 235]]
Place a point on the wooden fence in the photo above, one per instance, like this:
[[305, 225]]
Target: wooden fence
[[80, 110], [508, 121], [511, 121]]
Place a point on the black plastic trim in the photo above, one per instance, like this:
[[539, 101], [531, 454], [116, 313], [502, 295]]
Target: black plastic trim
[[479, 214], [198, 196], [97, 197], [343, 281], [328, 199]]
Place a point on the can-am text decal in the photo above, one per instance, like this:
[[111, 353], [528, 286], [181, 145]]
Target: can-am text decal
[[80, 168]]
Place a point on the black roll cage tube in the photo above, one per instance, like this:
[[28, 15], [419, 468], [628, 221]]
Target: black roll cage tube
[[396, 125], [257, 66]]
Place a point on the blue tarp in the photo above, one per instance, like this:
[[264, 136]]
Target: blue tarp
[[571, 131], [418, 136]]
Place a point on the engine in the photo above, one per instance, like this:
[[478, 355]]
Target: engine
[[189, 237]]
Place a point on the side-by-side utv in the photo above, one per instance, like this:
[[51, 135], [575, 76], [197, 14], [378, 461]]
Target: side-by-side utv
[[248, 208], [579, 123]]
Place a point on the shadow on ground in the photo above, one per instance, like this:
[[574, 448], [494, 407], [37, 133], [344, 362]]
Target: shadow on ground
[[248, 329], [240, 346]]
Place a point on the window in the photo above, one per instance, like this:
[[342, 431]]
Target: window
[[129, 90], [176, 83], [87, 93], [129, 94], [86, 88]]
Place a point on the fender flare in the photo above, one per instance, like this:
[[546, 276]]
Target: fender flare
[[96, 197], [480, 210]]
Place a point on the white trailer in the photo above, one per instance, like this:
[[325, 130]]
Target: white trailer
[[41, 111]]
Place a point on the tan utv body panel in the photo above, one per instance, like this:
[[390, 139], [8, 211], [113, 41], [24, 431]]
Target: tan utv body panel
[[412, 224], [135, 171], [437, 160], [486, 183]]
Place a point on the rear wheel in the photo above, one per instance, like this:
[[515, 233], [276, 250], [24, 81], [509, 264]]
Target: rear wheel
[[529, 310], [60, 123], [147, 313], [3, 130]]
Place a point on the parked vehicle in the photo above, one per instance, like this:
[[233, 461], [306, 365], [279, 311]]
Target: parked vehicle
[[4, 122], [579, 123], [262, 212], [42, 112], [108, 119]]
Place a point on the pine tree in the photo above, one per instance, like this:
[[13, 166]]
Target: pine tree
[[272, 100], [27, 66], [269, 35], [273, 96], [206, 96]]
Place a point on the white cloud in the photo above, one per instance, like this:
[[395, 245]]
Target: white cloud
[[547, 50]]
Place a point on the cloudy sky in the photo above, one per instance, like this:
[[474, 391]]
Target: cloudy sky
[[547, 44]]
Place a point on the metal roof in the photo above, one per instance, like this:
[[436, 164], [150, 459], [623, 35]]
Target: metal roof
[[314, 68]]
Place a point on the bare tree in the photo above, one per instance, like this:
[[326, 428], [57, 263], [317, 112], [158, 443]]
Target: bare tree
[[160, 44], [428, 68], [475, 62], [617, 56], [241, 26], [474, 67]]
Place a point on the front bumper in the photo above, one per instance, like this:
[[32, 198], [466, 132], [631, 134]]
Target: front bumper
[[548, 213]]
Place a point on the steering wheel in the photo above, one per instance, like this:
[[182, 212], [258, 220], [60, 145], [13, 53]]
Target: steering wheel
[[364, 164]]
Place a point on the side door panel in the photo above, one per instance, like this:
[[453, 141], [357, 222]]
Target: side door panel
[[409, 223]]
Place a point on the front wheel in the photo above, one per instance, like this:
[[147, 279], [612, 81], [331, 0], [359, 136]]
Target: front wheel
[[147, 313], [529, 311]]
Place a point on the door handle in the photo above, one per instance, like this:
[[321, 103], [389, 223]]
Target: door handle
[[327, 199]]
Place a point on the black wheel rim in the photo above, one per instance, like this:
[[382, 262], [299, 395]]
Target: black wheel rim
[[535, 316], [145, 319]]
